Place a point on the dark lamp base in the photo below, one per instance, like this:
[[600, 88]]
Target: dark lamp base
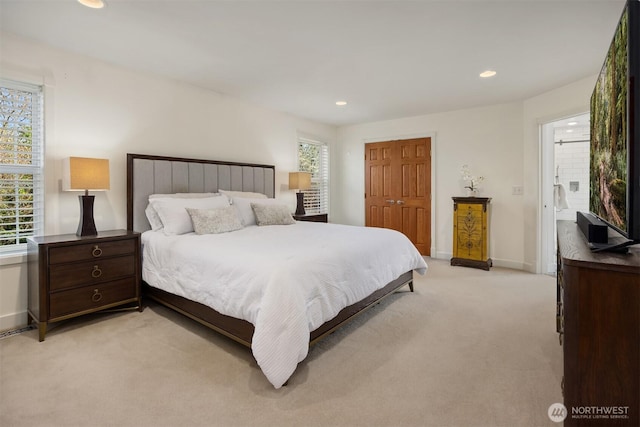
[[86, 227], [300, 206]]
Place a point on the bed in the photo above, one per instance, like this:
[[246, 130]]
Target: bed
[[276, 289]]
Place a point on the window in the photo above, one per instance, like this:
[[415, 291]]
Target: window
[[313, 157], [21, 164]]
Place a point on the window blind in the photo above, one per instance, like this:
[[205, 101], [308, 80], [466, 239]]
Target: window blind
[[313, 157], [21, 164]]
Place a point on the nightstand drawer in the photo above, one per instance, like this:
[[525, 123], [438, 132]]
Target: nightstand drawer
[[92, 297], [64, 276], [89, 251]]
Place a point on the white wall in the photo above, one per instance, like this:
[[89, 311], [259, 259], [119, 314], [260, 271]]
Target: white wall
[[488, 139], [567, 101], [94, 109]]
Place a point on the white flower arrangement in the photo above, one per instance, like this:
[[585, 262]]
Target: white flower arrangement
[[473, 181]]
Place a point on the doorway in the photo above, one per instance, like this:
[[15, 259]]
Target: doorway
[[565, 178], [398, 188]]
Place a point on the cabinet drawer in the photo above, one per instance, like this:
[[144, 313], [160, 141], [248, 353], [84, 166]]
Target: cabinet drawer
[[470, 209], [92, 297], [63, 276], [89, 251]]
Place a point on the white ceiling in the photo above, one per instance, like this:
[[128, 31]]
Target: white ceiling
[[388, 59]]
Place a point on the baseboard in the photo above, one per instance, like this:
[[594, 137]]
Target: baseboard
[[13, 321], [442, 255], [507, 263]]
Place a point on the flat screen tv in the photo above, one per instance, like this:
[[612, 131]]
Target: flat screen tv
[[615, 134]]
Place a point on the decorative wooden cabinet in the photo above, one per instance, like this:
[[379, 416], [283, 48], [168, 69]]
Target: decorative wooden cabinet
[[470, 232], [598, 319], [70, 276], [312, 217]]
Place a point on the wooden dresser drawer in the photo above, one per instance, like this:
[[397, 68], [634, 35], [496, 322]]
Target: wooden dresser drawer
[[62, 276], [92, 297], [89, 251]]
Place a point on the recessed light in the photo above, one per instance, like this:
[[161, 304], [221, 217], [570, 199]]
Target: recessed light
[[94, 4], [569, 130], [488, 73], [572, 123], [341, 103]]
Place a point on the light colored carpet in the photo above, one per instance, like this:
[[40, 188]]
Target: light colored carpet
[[468, 348]]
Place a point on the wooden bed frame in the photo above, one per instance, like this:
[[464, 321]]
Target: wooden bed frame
[[148, 174]]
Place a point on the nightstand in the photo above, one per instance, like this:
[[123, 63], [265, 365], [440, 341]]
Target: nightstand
[[312, 217], [70, 276]]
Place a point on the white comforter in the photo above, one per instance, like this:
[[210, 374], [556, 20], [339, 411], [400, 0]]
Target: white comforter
[[285, 280]]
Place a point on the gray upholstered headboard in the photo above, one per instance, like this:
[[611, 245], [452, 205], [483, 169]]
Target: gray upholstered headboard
[[148, 174]]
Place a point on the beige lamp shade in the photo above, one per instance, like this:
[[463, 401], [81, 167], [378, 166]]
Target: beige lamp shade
[[299, 180], [81, 173]]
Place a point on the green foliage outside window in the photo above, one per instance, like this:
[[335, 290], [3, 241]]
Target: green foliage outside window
[[16, 189], [309, 158], [313, 158]]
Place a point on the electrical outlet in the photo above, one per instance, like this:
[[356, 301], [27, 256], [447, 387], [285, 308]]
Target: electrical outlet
[[517, 190]]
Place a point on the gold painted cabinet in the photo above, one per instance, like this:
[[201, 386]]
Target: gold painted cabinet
[[471, 232]]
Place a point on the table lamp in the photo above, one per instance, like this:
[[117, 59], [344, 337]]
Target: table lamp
[[299, 181], [81, 173]]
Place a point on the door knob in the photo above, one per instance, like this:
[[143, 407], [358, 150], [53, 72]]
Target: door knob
[[400, 202], [390, 201]]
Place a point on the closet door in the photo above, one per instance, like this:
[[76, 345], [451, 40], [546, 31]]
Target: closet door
[[398, 188]]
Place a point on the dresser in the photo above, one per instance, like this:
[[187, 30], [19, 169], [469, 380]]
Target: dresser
[[70, 276], [471, 232], [598, 321]]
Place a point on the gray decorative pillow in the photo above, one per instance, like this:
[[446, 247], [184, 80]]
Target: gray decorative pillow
[[214, 221], [270, 214]]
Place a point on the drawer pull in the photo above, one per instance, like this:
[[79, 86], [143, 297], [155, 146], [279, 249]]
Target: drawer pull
[[97, 296], [96, 272], [96, 251]]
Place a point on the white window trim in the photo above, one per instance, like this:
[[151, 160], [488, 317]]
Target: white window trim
[[318, 181], [9, 253]]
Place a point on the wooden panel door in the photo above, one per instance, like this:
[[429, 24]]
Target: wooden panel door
[[398, 188]]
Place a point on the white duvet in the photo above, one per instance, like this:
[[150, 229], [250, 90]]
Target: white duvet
[[286, 280]]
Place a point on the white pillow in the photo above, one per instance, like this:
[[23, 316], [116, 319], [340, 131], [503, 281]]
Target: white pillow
[[173, 213], [272, 214], [152, 215], [214, 221], [153, 218], [243, 194], [245, 211]]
